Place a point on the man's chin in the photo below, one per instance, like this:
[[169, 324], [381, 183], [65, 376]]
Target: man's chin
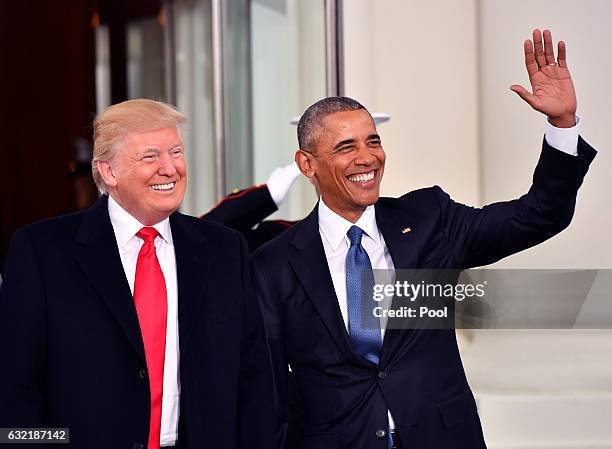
[[162, 211], [366, 201], [169, 203]]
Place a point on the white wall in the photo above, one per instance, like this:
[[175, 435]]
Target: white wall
[[417, 61], [511, 131]]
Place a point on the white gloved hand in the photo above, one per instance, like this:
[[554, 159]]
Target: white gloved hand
[[280, 181]]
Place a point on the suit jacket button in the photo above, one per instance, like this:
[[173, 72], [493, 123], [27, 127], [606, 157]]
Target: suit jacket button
[[382, 375], [142, 374], [137, 446], [381, 433]]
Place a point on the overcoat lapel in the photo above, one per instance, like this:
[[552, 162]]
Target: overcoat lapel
[[193, 265], [98, 255]]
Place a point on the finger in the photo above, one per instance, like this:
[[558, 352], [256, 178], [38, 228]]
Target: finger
[[530, 61], [531, 99], [548, 48], [538, 48], [561, 54]]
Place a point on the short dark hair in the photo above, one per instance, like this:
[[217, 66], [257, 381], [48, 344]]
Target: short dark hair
[[310, 123]]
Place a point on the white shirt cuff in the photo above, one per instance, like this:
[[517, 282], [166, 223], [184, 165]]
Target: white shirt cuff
[[563, 139]]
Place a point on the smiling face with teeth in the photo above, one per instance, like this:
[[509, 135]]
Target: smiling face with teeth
[[348, 162], [147, 175]]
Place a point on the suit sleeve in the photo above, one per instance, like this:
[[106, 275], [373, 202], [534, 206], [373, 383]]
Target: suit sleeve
[[256, 429], [272, 316], [482, 236], [23, 330], [243, 210]]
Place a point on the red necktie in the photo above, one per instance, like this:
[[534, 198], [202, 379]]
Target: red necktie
[[152, 308]]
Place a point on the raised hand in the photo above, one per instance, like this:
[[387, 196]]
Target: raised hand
[[551, 83]]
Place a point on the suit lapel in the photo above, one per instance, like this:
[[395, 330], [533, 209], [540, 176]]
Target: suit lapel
[[98, 255], [193, 264], [399, 233], [402, 241], [312, 269]]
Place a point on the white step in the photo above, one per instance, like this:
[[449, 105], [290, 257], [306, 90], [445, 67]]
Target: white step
[[554, 446], [546, 420], [545, 361]]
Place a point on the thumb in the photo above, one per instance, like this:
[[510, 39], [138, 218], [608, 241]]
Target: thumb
[[525, 95]]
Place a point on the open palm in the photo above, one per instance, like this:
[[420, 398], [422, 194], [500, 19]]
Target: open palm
[[553, 90]]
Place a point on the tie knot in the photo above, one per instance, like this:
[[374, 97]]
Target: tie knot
[[148, 234], [354, 234]]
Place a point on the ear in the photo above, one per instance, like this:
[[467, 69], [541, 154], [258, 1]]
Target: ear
[[304, 161], [106, 171]]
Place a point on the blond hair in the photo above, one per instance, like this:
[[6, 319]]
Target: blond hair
[[120, 120]]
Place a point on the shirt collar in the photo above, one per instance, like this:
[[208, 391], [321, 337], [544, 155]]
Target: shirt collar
[[126, 226], [333, 227]]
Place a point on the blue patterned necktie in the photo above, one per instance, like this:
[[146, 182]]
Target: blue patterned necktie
[[364, 331], [364, 327]]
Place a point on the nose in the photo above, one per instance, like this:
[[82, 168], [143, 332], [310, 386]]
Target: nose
[[166, 165], [364, 156]]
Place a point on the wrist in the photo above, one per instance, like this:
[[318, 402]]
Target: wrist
[[563, 121]]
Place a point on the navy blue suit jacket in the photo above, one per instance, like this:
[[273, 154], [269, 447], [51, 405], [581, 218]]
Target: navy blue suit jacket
[[72, 351], [420, 377]]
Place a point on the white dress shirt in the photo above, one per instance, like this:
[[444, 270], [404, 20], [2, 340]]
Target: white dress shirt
[[126, 227], [333, 229]]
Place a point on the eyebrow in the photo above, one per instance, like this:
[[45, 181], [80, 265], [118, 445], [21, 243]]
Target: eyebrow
[[157, 150], [352, 141], [343, 143]]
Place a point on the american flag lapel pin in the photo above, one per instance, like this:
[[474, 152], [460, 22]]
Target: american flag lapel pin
[[406, 230]]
